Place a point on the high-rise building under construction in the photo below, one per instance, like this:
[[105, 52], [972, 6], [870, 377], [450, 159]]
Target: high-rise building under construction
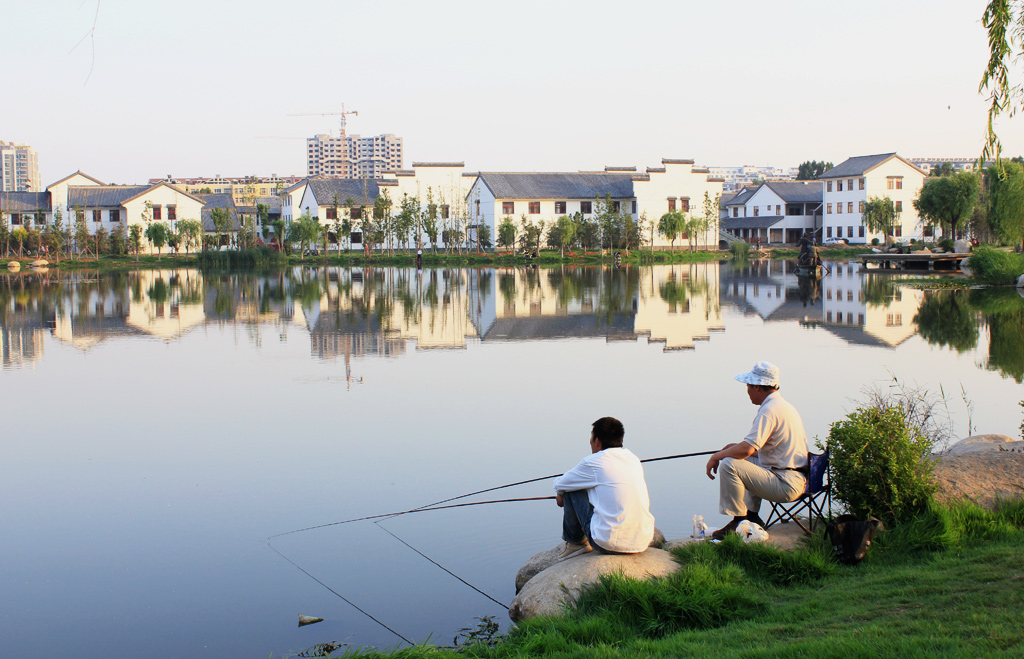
[[352, 156]]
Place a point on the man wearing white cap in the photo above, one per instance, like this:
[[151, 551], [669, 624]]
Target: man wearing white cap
[[771, 461]]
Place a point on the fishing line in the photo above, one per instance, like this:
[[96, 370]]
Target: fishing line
[[389, 532], [437, 505], [345, 599]]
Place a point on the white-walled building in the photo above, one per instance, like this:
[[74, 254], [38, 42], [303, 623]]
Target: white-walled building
[[849, 185], [775, 212], [540, 196]]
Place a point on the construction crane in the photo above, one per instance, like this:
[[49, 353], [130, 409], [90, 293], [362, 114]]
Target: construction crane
[[342, 114]]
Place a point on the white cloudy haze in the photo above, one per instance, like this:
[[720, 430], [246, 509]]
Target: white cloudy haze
[[191, 88]]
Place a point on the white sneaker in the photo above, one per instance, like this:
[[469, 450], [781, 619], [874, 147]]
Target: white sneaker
[[575, 549]]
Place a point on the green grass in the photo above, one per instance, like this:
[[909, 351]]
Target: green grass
[[948, 584]]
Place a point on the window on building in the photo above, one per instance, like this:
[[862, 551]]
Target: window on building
[[735, 212], [634, 207], [849, 232], [508, 207], [356, 212], [616, 206], [15, 218], [684, 204], [899, 206], [828, 232], [849, 207], [585, 207], [894, 183], [97, 216], [828, 186], [898, 231], [839, 208], [331, 214], [534, 208], [778, 209], [157, 212], [560, 207], [445, 211], [861, 186], [79, 216], [828, 209], [839, 186], [860, 206], [756, 211], [860, 231], [929, 231], [478, 208], [849, 184], [172, 213], [671, 205], [114, 215]]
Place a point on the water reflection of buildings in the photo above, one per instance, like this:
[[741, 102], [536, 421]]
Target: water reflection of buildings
[[857, 307], [21, 335]]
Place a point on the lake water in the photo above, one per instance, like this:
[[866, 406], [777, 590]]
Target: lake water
[[162, 425]]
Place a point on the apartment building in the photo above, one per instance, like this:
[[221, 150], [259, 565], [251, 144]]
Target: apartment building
[[850, 184], [352, 156], [19, 168]]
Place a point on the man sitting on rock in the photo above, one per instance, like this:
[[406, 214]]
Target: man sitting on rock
[[771, 461], [604, 498]]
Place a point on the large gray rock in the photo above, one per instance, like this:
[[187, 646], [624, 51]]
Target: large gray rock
[[542, 561], [990, 442], [983, 469], [547, 593], [1020, 281], [961, 247]]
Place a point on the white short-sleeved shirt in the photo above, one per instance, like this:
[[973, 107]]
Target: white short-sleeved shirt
[[778, 434], [615, 485]]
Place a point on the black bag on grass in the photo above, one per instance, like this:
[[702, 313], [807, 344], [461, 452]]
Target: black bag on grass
[[851, 537]]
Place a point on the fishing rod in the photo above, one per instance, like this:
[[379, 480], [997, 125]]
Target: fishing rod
[[438, 505]]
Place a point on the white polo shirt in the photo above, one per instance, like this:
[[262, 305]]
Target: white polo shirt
[[615, 485], [778, 434]]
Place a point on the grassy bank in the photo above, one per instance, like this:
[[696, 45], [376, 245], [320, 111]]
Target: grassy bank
[[950, 584]]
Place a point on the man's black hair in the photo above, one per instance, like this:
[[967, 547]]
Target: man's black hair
[[610, 431]]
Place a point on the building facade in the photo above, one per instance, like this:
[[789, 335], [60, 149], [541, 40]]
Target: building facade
[[352, 156], [19, 168], [850, 184], [775, 212]]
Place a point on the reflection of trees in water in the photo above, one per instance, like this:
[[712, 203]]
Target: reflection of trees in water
[[1003, 311], [878, 290], [952, 319], [617, 293], [945, 318]]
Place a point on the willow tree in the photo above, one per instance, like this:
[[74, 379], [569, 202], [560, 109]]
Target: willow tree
[[948, 202], [1004, 20], [880, 216], [671, 225]]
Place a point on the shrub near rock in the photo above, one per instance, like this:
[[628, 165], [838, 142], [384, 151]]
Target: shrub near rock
[[880, 464]]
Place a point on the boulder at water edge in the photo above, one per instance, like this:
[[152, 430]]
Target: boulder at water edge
[[547, 593], [983, 469], [1020, 281], [542, 561], [961, 247]]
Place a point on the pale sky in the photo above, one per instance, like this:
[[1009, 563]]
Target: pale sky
[[190, 88]]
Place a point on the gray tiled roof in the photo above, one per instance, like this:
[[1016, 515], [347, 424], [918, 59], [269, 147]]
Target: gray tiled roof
[[218, 201], [741, 197], [798, 191], [103, 196], [557, 186], [346, 188], [24, 202], [762, 222], [856, 166]]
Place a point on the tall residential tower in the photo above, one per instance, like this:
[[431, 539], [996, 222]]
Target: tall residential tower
[[352, 156], [19, 168]]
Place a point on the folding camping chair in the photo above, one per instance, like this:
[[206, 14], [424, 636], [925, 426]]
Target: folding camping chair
[[819, 487]]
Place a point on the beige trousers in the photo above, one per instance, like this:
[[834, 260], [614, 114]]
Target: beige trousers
[[743, 483]]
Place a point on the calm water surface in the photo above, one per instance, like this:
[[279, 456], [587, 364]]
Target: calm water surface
[[162, 425]]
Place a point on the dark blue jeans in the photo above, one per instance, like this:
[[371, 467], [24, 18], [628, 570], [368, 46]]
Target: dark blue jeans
[[576, 514]]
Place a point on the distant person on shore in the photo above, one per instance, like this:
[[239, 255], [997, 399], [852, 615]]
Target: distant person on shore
[[771, 461], [604, 499]]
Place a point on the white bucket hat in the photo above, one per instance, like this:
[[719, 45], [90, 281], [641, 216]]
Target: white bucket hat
[[764, 374]]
